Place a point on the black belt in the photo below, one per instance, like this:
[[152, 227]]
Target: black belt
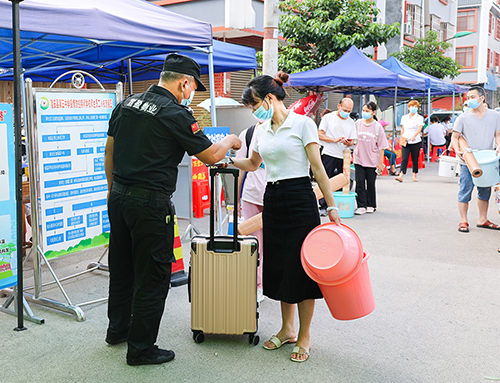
[[290, 181], [136, 192]]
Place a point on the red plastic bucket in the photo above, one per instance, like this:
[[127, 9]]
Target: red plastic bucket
[[352, 299]]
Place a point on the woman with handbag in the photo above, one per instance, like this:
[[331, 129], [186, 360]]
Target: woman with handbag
[[411, 140]]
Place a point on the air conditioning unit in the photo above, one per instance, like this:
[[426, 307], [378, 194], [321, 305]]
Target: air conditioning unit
[[495, 69], [408, 29]]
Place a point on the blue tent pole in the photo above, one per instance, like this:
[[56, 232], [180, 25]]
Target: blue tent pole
[[394, 118], [453, 107], [429, 111], [211, 84]]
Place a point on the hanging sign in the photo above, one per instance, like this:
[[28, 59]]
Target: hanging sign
[[71, 135], [8, 221]]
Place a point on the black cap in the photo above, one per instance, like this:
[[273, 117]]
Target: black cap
[[185, 65]]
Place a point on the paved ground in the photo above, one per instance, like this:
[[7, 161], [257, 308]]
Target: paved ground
[[437, 315]]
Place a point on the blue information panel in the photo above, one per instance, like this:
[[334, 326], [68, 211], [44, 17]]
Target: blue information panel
[[8, 221], [72, 131]]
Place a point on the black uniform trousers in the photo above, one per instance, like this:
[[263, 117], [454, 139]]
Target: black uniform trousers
[[414, 149], [365, 186], [140, 256], [333, 166]]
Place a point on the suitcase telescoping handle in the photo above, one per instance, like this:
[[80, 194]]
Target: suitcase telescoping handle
[[235, 173]]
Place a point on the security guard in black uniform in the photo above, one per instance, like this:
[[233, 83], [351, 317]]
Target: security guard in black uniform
[[147, 138]]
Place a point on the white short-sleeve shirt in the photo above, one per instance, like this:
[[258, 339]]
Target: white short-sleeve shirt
[[284, 152], [336, 127], [410, 125]]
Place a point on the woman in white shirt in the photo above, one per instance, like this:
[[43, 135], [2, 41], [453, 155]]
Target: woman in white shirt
[[411, 126], [287, 142]]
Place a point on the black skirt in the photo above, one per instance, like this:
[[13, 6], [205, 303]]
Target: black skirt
[[290, 213]]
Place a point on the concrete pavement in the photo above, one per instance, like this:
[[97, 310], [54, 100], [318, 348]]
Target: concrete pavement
[[436, 320]]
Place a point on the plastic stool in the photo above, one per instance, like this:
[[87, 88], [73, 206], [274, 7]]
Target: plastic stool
[[201, 197], [434, 155]]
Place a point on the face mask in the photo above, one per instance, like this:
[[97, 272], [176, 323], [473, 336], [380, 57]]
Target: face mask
[[366, 115], [343, 114], [413, 109], [262, 114], [187, 101], [473, 103]]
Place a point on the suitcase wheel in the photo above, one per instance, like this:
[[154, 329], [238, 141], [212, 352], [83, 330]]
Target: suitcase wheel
[[253, 339], [198, 336]]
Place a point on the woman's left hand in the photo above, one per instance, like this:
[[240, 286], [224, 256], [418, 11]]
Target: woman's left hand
[[334, 216]]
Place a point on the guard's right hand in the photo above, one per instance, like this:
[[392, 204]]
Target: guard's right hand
[[236, 142]]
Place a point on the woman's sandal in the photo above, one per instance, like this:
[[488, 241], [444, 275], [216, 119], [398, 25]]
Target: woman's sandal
[[278, 343], [296, 350]]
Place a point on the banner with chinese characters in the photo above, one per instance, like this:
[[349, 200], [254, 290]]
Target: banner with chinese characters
[[71, 135], [8, 221]]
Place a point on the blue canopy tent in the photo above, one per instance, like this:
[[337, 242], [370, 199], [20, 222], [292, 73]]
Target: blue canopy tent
[[355, 73], [433, 85], [44, 33], [226, 58]]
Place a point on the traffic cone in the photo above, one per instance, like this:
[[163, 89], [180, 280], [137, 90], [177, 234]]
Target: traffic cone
[[179, 277]]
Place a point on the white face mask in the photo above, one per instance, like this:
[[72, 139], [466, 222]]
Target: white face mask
[[187, 101]]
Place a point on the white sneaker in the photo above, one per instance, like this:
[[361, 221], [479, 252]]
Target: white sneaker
[[370, 209], [360, 211], [260, 295]]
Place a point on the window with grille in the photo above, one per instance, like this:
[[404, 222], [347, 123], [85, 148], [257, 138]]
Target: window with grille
[[488, 59], [490, 25], [413, 18], [497, 59], [466, 20], [497, 28], [465, 56], [435, 23]]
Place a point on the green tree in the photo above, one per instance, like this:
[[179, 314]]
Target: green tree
[[426, 55], [318, 32]]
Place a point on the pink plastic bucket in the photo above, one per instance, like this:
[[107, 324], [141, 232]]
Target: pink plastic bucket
[[331, 253], [333, 256], [352, 299]]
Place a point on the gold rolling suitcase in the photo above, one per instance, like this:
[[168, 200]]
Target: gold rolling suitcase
[[223, 279]]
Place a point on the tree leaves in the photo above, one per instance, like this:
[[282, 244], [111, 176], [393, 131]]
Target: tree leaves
[[318, 32], [426, 55]]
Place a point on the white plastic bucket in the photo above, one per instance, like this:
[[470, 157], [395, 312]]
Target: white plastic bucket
[[447, 166], [489, 163]]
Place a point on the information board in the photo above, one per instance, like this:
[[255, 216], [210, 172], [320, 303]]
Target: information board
[[71, 129], [8, 221]]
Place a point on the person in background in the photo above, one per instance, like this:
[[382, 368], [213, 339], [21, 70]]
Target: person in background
[[436, 132], [480, 127], [389, 153], [336, 132], [287, 142], [448, 127], [368, 158], [251, 188], [411, 140]]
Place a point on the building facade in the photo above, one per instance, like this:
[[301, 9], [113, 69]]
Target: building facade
[[410, 16], [479, 53]]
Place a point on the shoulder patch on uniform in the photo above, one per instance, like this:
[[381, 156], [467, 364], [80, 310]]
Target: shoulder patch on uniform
[[195, 128]]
